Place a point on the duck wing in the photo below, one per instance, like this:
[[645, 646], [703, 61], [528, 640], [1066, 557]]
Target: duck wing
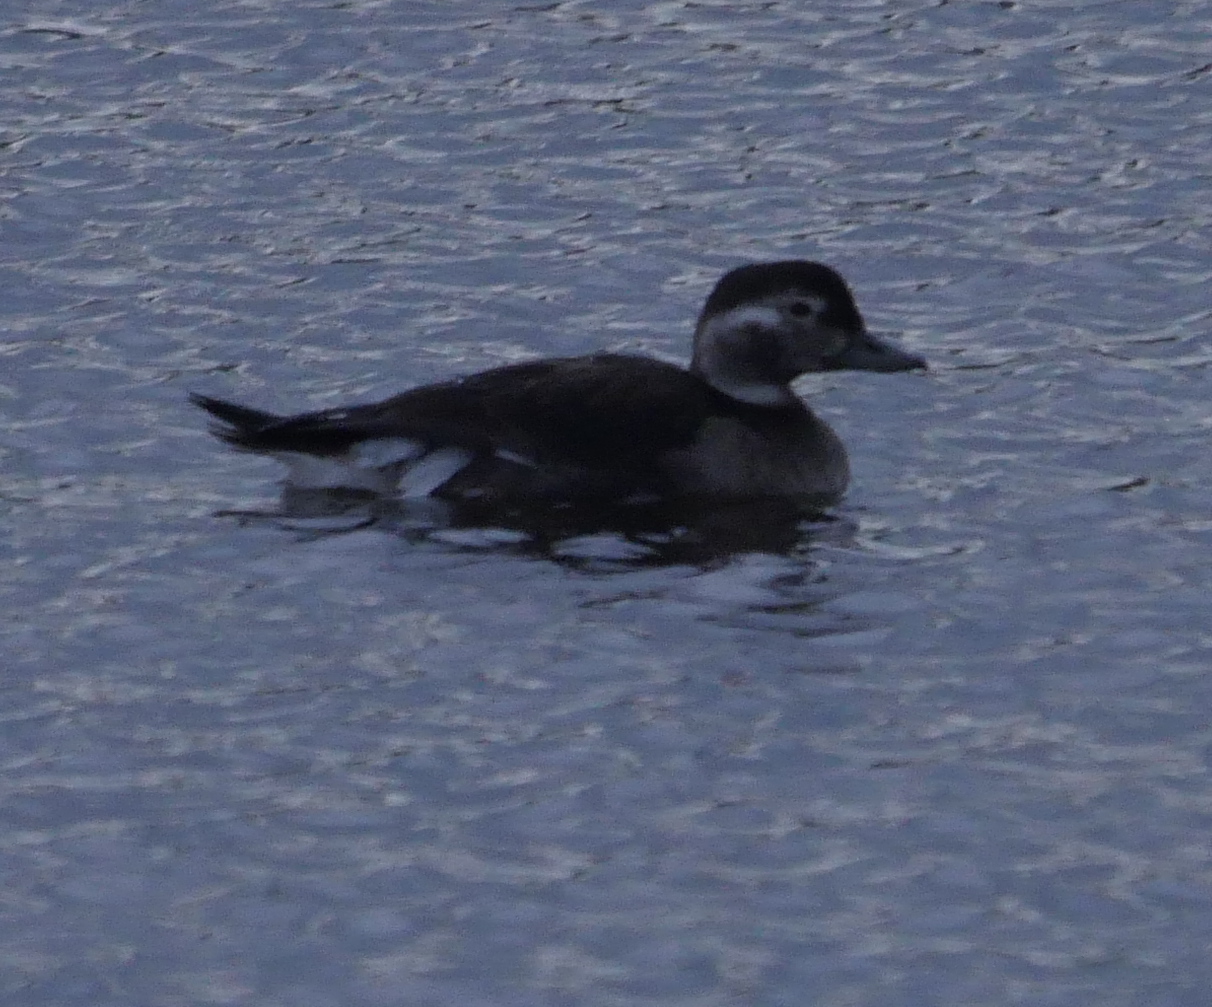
[[606, 410]]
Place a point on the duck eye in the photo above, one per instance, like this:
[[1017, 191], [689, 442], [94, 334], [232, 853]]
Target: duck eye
[[800, 309]]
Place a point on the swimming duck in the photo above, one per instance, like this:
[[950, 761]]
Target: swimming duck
[[608, 427]]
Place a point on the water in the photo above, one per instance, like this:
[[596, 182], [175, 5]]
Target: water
[[948, 748]]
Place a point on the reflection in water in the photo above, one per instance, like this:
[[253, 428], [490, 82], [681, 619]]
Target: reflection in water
[[580, 535], [746, 567]]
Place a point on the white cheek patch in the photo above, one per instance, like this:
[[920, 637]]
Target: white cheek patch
[[385, 451], [433, 470], [723, 347], [746, 316]]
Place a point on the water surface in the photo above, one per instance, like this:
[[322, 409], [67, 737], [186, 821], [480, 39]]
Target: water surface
[[950, 747]]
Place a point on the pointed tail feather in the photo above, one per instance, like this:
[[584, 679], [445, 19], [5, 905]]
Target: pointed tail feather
[[327, 432], [237, 425]]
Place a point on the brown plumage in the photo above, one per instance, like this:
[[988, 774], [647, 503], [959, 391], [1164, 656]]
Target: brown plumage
[[608, 425]]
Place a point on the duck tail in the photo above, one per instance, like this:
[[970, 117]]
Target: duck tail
[[238, 425]]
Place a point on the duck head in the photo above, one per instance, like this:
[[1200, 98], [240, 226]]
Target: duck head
[[767, 323]]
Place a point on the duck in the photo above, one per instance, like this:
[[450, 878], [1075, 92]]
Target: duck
[[607, 427]]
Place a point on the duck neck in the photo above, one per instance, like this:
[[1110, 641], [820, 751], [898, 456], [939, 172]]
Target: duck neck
[[733, 354]]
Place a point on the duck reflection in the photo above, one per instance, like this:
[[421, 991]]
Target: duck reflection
[[658, 533]]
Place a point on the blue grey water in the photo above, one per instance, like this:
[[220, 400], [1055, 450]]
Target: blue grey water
[[950, 748]]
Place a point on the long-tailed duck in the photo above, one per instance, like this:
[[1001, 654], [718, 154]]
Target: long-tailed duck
[[608, 427]]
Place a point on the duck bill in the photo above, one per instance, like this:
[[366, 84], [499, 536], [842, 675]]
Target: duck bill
[[867, 353]]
